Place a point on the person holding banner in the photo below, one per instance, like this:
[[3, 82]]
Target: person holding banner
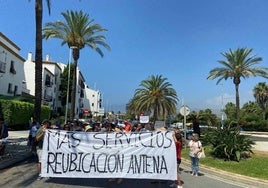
[[46, 124], [178, 142]]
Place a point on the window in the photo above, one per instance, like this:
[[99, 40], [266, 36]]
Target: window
[[15, 90], [12, 67], [2, 67], [3, 58], [47, 81], [9, 88]]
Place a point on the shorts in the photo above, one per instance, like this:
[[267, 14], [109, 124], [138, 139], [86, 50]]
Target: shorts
[[178, 161], [39, 155]]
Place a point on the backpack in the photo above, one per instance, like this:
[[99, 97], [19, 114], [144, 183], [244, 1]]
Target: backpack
[[5, 131]]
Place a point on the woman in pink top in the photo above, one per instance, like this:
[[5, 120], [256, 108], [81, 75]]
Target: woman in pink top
[[195, 147]]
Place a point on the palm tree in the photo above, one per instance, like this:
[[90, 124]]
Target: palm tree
[[196, 118], [261, 95], [77, 31], [155, 95], [38, 56], [238, 65]]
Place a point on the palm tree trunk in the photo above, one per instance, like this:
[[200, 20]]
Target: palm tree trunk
[[73, 94], [237, 100], [38, 59]]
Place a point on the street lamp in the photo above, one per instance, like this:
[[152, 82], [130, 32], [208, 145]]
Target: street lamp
[[222, 118], [68, 82]]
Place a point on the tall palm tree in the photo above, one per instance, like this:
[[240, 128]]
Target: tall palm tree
[[155, 95], [77, 31], [260, 93], [38, 56], [238, 64]]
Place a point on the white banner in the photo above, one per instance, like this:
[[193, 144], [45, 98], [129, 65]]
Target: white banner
[[145, 155], [144, 119]]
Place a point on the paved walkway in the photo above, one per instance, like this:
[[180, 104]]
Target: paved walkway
[[17, 151]]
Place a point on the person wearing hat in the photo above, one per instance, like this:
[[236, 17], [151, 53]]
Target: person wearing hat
[[88, 128]]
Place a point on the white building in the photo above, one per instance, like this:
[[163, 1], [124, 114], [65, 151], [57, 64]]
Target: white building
[[17, 77], [50, 81], [88, 101], [93, 102], [11, 64], [52, 88]]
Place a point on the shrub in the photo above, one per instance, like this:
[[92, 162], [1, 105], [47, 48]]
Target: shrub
[[17, 113], [228, 143]]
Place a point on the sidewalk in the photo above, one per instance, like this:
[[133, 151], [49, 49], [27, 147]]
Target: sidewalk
[[15, 152]]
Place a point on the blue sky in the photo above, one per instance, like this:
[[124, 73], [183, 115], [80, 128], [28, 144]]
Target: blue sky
[[182, 40]]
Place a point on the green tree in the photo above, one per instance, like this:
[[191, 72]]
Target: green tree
[[208, 118], [230, 111], [238, 64], [251, 113], [195, 118], [155, 95], [38, 56], [77, 31], [131, 109], [260, 92], [64, 83]]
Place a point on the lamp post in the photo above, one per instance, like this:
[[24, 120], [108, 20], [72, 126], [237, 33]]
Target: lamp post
[[68, 82], [222, 118]]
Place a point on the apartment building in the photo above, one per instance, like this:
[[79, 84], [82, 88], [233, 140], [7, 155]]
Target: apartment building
[[93, 102], [50, 83], [17, 77], [87, 100], [11, 64]]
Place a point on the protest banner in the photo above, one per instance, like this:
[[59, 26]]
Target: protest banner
[[145, 155]]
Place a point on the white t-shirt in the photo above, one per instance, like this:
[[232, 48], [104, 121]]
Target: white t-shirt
[[194, 147]]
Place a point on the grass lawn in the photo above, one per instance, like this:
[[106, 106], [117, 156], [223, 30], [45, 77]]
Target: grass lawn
[[256, 166]]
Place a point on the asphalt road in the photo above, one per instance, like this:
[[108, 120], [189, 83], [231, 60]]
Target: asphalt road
[[25, 175]]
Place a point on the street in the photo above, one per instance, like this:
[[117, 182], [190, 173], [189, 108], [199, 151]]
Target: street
[[24, 174]]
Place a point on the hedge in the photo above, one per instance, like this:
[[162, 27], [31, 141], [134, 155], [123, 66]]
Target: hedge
[[17, 113]]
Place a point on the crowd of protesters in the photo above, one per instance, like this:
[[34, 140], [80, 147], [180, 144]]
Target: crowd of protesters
[[37, 130]]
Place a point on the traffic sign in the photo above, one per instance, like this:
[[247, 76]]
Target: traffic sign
[[184, 110]]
